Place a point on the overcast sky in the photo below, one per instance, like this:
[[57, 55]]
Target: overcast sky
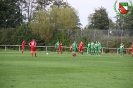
[[87, 7]]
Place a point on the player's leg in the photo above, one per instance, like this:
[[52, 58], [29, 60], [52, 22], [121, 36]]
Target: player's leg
[[95, 51], [78, 50], [99, 51], [132, 53], [59, 51], [56, 49], [35, 54], [121, 52], [31, 53], [92, 51], [89, 50], [74, 52], [22, 50]]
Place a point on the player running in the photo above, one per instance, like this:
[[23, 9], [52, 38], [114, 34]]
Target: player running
[[132, 49], [32, 45], [23, 46]]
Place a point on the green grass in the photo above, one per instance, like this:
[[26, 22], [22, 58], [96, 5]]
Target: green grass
[[63, 71]]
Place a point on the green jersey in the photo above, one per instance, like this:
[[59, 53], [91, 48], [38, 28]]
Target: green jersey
[[56, 45], [95, 45], [89, 45], [92, 45], [74, 45], [99, 46], [121, 48]]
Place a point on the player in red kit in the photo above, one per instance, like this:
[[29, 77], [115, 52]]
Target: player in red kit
[[132, 49], [71, 48], [33, 47], [23, 46], [80, 47], [60, 48]]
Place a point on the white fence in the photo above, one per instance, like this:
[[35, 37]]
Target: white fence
[[19, 47], [103, 49]]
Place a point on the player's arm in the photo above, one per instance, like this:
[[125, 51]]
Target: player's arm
[[35, 44]]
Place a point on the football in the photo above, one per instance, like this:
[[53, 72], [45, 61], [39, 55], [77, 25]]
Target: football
[[73, 54]]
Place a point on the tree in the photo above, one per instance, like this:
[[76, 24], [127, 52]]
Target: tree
[[47, 22], [10, 14], [99, 19], [6, 36], [23, 33], [29, 6], [125, 22], [64, 17], [41, 25]]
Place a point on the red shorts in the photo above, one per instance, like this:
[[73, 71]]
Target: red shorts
[[23, 47], [80, 49], [59, 49], [32, 48]]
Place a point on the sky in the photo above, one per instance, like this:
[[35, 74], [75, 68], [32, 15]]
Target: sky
[[87, 7]]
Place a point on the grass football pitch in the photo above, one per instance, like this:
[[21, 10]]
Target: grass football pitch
[[63, 71]]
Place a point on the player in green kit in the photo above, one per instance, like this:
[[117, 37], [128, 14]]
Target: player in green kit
[[95, 47], [56, 46], [74, 45], [74, 48], [92, 47], [89, 48], [121, 49], [99, 47]]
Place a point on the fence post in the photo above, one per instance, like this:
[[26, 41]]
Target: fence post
[[46, 48], [19, 48], [5, 47], [117, 50]]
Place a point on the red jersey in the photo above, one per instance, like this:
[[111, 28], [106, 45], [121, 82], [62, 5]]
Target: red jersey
[[33, 45], [60, 47], [132, 48], [81, 46], [23, 45]]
